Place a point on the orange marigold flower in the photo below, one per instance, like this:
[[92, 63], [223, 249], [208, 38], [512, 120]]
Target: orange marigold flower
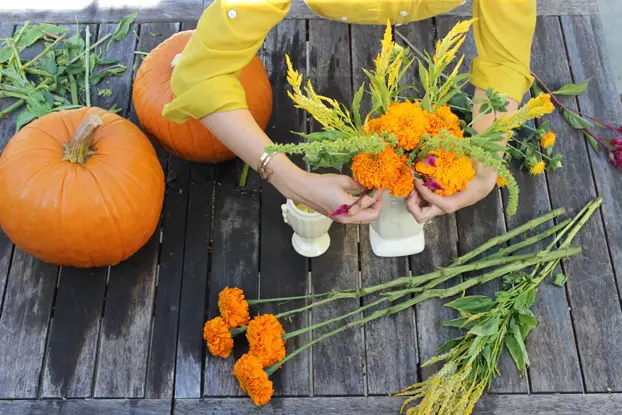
[[253, 379], [218, 338], [265, 339], [233, 307], [537, 168], [501, 182], [386, 170], [450, 171], [548, 140], [444, 119], [406, 120]]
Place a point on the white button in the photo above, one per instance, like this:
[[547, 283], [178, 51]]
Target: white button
[[344, 18], [403, 13], [232, 14]]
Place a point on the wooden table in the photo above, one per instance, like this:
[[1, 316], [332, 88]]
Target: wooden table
[[127, 339]]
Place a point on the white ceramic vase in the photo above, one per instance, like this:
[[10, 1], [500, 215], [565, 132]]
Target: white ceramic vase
[[310, 237], [396, 233]]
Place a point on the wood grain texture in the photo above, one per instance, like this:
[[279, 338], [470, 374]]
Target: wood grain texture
[[602, 99], [284, 273], [476, 225], [74, 332], [7, 128], [235, 255], [557, 404], [391, 342], [86, 406], [597, 323], [24, 325], [554, 335], [126, 324], [338, 361]]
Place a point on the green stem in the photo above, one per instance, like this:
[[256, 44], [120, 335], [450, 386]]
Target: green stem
[[507, 236], [88, 49], [73, 87], [299, 297], [434, 293], [8, 94], [87, 71], [21, 31], [244, 175], [39, 72], [12, 108], [45, 51]]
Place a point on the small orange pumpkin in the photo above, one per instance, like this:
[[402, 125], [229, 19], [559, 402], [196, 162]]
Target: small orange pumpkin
[[191, 140], [81, 188]]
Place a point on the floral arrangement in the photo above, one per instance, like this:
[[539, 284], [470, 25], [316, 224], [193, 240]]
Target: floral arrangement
[[470, 360], [402, 139]]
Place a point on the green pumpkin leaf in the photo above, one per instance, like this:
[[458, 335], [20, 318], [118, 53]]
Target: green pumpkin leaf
[[356, 106], [472, 304], [571, 89], [560, 280], [107, 61], [123, 28], [576, 121], [52, 28], [29, 37], [5, 54]]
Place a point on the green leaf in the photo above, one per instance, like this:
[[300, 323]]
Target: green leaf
[[524, 299], [449, 345], [123, 28], [560, 280], [592, 141], [356, 106], [327, 135], [488, 328], [461, 323], [572, 89], [5, 54], [526, 318], [29, 37], [472, 304], [515, 351], [52, 28], [423, 75], [577, 122], [48, 63], [516, 333], [107, 61], [24, 118]]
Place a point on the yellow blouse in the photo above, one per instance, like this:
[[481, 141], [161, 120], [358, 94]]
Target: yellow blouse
[[230, 32]]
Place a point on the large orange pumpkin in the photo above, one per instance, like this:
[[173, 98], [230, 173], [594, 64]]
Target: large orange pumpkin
[[82, 188], [191, 140]]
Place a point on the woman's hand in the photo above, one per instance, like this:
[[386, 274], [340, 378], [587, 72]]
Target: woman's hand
[[325, 193], [424, 204]]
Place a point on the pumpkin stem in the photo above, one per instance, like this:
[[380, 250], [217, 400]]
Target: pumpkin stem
[[78, 149]]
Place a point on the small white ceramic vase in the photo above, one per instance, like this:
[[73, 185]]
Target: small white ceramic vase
[[310, 237], [396, 233]]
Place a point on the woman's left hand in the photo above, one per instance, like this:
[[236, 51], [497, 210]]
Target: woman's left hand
[[424, 204]]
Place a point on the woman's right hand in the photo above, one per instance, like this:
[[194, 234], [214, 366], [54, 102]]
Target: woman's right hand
[[325, 193]]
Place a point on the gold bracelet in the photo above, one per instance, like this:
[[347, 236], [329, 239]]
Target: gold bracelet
[[263, 170]]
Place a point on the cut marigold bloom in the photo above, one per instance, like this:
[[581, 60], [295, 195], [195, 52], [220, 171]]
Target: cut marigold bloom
[[218, 338], [406, 120], [501, 182], [537, 168], [386, 170], [253, 379], [265, 339], [548, 140], [452, 172], [233, 307]]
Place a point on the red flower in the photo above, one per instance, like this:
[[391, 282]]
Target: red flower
[[432, 184], [430, 161], [341, 210], [617, 143], [616, 157]]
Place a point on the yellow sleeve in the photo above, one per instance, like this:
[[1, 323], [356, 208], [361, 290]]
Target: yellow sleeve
[[228, 36], [503, 34]]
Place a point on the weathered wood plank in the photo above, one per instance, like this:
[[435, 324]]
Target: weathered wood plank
[[338, 361], [601, 100], [179, 10], [597, 324], [74, 332], [98, 11], [557, 404], [476, 225], [125, 332], [554, 335], [24, 325], [162, 358], [7, 128], [284, 273], [87, 406], [189, 366], [235, 255], [391, 352]]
